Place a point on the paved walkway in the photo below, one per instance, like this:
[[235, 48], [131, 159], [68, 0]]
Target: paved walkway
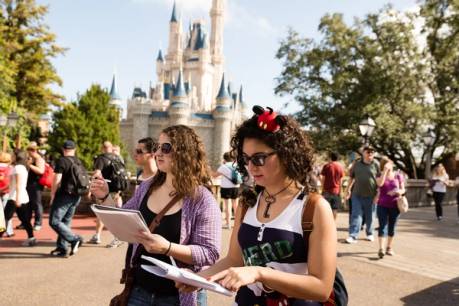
[[425, 270]]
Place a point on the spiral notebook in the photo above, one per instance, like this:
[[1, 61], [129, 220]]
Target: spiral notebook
[[124, 224]]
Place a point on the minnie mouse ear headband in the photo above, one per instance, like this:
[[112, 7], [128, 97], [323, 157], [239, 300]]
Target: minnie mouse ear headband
[[268, 120]]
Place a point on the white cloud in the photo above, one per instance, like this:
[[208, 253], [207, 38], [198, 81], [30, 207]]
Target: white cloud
[[236, 15]]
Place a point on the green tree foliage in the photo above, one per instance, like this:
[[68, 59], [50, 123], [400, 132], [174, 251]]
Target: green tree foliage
[[89, 122], [383, 66], [28, 48]]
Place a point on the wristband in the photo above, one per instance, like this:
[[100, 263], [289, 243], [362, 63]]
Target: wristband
[[168, 249], [104, 198]]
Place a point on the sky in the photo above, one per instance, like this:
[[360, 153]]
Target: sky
[[124, 36]]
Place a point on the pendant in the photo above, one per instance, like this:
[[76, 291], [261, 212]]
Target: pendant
[[269, 200]]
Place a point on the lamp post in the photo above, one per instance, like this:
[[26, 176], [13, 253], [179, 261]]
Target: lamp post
[[7, 122], [366, 127], [429, 138]]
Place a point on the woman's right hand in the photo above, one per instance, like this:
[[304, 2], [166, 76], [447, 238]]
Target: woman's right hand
[[98, 187], [184, 287]]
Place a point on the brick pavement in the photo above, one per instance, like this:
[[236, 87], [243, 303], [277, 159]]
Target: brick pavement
[[425, 270]]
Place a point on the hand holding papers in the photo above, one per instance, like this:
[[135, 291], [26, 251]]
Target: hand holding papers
[[125, 224], [166, 270]]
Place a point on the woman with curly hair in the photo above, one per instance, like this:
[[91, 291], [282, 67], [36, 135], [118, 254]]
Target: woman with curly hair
[[189, 232], [269, 262]]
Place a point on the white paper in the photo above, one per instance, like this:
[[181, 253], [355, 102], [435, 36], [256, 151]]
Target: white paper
[[124, 224], [166, 270]]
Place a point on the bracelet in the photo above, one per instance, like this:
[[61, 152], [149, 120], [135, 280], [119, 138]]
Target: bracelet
[[104, 198], [168, 249]]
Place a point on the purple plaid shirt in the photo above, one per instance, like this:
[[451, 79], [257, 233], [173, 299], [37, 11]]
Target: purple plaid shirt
[[200, 230]]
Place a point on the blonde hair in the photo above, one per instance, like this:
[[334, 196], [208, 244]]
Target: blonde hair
[[5, 157], [440, 170], [384, 160]]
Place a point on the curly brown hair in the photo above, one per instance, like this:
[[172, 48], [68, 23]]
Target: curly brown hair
[[291, 144], [189, 162]]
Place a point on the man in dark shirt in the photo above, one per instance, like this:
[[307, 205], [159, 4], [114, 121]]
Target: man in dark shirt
[[332, 176], [364, 189], [36, 165], [102, 166], [64, 203]]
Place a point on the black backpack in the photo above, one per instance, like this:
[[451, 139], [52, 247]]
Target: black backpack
[[78, 184], [119, 180]]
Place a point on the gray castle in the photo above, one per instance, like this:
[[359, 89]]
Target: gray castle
[[191, 89]]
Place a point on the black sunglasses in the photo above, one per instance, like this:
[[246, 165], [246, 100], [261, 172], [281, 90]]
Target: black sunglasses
[[258, 159], [139, 151], [166, 147]]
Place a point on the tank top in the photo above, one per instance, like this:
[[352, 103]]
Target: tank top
[[278, 244]]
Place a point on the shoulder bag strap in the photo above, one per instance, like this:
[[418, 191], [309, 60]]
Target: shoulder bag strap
[[154, 224]]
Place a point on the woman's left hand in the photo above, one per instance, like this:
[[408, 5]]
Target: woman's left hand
[[234, 278], [153, 243]]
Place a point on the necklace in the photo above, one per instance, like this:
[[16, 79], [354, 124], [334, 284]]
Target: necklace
[[173, 193], [271, 199]]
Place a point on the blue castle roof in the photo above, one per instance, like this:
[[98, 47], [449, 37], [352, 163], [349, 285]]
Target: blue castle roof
[[160, 56], [114, 95], [174, 14], [180, 90], [223, 92]]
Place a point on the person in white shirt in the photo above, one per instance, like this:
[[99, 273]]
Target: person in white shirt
[[440, 180], [229, 191], [18, 194]]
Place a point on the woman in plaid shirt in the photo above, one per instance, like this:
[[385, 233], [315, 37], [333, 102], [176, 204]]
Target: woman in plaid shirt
[[190, 232]]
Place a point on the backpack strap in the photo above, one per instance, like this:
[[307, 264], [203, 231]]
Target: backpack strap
[[308, 214]]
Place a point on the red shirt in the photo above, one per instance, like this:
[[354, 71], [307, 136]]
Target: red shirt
[[332, 172]]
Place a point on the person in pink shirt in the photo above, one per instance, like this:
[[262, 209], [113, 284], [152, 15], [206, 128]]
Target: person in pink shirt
[[391, 187]]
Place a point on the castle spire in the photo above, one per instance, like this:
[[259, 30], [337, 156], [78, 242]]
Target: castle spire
[[174, 14], [179, 90], [241, 100], [160, 57], [223, 92], [216, 35], [114, 95]]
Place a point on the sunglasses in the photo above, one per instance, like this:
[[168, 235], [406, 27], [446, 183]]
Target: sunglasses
[[139, 151], [166, 147], [257, 159]]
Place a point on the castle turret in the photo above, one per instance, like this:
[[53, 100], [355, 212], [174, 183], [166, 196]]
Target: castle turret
[[115, 98], [175, 49], [160, 66], [216, 39], [223, 116], [179, 108]]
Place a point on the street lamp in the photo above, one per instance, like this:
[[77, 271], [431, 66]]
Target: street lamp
[[7, 122], [366, 127], [429, 138]]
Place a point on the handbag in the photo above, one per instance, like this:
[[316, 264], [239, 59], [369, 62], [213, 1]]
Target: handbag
[[402, 201], [127, 275], [402, 204]]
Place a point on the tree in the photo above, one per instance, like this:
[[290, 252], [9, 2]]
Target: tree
[[29, 48], [378, 66], [6, 73], [89, 122]]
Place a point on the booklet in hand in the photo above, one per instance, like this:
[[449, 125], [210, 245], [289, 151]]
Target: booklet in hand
[[124, 224], [166, 270]]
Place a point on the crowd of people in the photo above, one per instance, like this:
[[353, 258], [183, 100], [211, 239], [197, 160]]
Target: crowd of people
[[267, 186]]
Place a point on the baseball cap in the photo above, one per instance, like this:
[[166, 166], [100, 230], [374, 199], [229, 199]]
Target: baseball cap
[[32, 146], [369, 148], [68, 145]]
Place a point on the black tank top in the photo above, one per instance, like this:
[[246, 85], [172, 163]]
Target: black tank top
[[169, 228]]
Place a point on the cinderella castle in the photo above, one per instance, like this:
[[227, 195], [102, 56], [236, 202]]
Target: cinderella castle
[[190, 90]]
